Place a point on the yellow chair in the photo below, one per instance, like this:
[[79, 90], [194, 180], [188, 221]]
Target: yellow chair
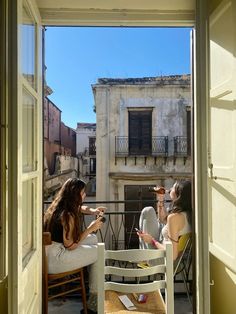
[[183, 263], [63, 280], [183, 240], [110, 286]]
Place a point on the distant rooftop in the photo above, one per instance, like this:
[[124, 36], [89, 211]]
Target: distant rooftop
[[84, 125], [159, 80]]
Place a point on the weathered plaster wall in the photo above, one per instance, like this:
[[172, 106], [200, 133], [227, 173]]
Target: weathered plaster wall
[[82, 138], [168, 104]]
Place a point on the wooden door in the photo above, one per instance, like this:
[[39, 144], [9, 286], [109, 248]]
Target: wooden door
[[25, 159], [222, 156]]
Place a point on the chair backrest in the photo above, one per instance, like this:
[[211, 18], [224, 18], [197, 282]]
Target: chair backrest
[[134, 256], [184, 247], [183, 240]]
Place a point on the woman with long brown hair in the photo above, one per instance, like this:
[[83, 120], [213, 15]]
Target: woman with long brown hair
[[73, 247], [174, 221]]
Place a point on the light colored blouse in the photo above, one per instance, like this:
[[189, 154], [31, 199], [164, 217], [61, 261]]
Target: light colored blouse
[[186, 228]]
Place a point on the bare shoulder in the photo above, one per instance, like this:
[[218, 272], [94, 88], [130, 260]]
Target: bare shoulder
[[178, 217]]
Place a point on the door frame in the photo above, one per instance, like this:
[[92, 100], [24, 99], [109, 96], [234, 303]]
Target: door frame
[[201, 98], [200, 140], [200, 87], [17, 271]]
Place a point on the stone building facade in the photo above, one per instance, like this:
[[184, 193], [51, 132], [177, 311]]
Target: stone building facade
[[143, 135], [86, 152], [60, 160]]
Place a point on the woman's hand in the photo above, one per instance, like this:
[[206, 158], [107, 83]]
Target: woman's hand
[[99, 210], [146, 237], [95, 225]]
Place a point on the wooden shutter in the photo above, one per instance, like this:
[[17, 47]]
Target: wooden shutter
[[140, 132]]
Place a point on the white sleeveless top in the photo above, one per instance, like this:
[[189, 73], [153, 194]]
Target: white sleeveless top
[[186, 228]]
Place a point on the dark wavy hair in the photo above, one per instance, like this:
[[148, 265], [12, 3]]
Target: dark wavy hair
[[66, 203], [183, 201]]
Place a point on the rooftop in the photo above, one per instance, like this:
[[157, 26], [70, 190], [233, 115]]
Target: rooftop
[[157, 80], [85, 125]]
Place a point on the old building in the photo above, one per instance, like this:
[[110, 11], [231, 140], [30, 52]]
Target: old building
[[86, 152], [52, 134], [68, 140], [143, 134], [60, 160]]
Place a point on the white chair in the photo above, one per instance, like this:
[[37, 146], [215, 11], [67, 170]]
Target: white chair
[[108, 290]]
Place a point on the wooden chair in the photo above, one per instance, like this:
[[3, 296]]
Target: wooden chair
[[110, 289], [183, 263], [61, 280]]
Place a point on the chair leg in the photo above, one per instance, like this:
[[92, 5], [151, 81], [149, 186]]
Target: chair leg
[[186, 287], [84, 300], [45, 298], [45, 290]]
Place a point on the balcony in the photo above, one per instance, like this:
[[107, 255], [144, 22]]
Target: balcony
[[126, 146], [118, 233], [182, 147]]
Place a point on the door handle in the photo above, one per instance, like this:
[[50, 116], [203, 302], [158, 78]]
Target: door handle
[[211, 172]]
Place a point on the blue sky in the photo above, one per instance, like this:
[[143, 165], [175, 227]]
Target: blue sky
[[77, 56]]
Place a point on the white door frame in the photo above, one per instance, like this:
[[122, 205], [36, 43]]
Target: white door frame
[[200, 156], [200, 152], [200, 123], [24, 269]]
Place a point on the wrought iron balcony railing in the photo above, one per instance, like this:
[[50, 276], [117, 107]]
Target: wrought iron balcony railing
[[141, 146], [181, 146], [118, 232]]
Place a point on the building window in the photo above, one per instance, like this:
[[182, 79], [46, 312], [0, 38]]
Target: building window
[[92, 165], [140, 132], [92, 146]]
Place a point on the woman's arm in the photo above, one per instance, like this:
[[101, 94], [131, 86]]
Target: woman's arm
[[69, 242], [92, 211], [150, 240], [161, 212], [175, 223]]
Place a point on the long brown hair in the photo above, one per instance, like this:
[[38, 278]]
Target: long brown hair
[[183, 201], [66, 203]]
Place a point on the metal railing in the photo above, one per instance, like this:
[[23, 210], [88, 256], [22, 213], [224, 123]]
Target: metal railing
[[181, 146], [118, 231], [129, 146]]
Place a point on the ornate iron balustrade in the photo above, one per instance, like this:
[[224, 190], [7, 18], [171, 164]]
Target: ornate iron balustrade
[[181, 146], [158, 147], [118, 231], [115, 233]]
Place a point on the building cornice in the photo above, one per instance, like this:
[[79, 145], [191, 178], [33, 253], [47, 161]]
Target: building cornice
[[148, 176]]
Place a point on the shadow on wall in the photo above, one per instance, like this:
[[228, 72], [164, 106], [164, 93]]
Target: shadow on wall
[[223, 291]]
